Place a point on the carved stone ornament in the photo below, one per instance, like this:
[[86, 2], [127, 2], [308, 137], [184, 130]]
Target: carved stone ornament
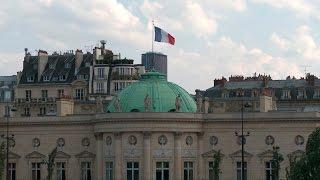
[[178, 103], [108, 140], [162, 140], [35, 142], [189, 140], [132, 140], [269, 140], [85, 142], [241, 140], [147, 103], [213, 140], [299, 140], [60, 142], [11, 142]]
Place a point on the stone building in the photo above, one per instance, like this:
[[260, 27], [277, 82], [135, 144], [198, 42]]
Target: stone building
[[83, 80], [291, 94], [153, 130]]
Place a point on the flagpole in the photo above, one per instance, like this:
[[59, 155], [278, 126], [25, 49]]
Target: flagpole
[[153, 34]]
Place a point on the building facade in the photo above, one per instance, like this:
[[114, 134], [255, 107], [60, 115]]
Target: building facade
[[155, 61], [153, 129]]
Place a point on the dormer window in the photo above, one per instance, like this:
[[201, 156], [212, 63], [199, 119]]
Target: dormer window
[[301, 94], [80, 77], [286, 94], [67, 65], [46, 78], [51, 66], [316, 94], [86, 77], [87, 64], [30, 79], [62, 78]]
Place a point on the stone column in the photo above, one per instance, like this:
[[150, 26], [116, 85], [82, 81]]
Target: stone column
[[99, 151], [177, 156], [147, 155], [201, 167], [118, 155]]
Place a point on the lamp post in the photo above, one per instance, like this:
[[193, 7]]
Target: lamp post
[[242, 136]]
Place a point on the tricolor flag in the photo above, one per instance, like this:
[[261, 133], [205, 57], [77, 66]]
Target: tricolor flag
[[163, 36]]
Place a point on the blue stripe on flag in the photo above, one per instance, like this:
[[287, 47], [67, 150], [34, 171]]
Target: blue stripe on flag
[[157, 34]]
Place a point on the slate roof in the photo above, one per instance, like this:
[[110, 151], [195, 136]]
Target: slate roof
[[59, 63]]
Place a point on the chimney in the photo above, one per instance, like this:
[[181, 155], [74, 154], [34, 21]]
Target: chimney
[[79, 59], [42, 62], [221, 81], [103, 42], [310, 79]]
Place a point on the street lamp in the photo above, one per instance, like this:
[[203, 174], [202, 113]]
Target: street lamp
[[242, 136]]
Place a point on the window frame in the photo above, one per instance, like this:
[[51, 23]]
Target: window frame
[[12, 171], [61, 169], [239, 169], [133, 169], [85, 170], [109, 170], [162, 169], [36, 169], [187, 169]]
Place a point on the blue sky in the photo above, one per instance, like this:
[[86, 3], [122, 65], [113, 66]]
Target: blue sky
[[214, 38]]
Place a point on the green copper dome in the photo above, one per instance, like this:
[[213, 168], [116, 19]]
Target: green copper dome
[[152, 93]]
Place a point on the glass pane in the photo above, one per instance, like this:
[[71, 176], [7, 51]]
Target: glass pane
[[158, 165], [136, 175], [136, 165], [129, 165], [191, 174], [129, 175], [38, 175], [185, 175], [158, 175], [166, 165], [88, 174], [166, 174], [63, 175], [191, 164], [185, 164], [239, 174], [210, 164], [13, 175], [238, 164]]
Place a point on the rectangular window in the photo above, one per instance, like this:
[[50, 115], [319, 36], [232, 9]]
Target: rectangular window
[[99, 87], [80, 94], [30, 79], [188, 171], [28, 95], [116, 86], [26, 111], [60, 93], [36, 171], [162, 171], [86, 171], [12, 171], [62, 78], [100, 73], [121, 71], [239, 171], [211, 171], [61, 171], [269, 171], [46, 78], [44, 95], [42, 111], [132, 170], [109, 170]]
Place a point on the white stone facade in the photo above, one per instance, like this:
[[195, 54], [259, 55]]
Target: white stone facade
[[151, 138]]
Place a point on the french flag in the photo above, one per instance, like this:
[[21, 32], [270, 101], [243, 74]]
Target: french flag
[[163, 36]]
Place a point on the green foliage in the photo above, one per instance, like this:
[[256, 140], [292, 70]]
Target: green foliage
[[50, 162], [217, 157], [308, 167], [277, 158], [2, 158]]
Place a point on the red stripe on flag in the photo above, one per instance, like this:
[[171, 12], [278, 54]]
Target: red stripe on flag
[[171, 39]]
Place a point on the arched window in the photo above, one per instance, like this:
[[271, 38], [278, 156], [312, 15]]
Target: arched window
[[135, 110], [172, 110]]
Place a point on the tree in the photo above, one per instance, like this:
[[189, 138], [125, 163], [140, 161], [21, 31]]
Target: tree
[[277, 158], [308, 167], [217, 157], [50, 163], [2, 158]]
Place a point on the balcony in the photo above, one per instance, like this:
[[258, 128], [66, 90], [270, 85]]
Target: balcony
[[101, 77], [34, 101], [117, 76], [100, 91]]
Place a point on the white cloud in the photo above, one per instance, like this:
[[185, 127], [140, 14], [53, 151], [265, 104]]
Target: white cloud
[[236, 5], [280, 42], [300, 7], [10, 63]]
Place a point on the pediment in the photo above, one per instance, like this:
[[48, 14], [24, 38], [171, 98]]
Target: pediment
[[79, 82], [62, 155], [297, 153], [35, 154], [13, 155], [85, 154], [211, 153], [266, 154], [239, 154]]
